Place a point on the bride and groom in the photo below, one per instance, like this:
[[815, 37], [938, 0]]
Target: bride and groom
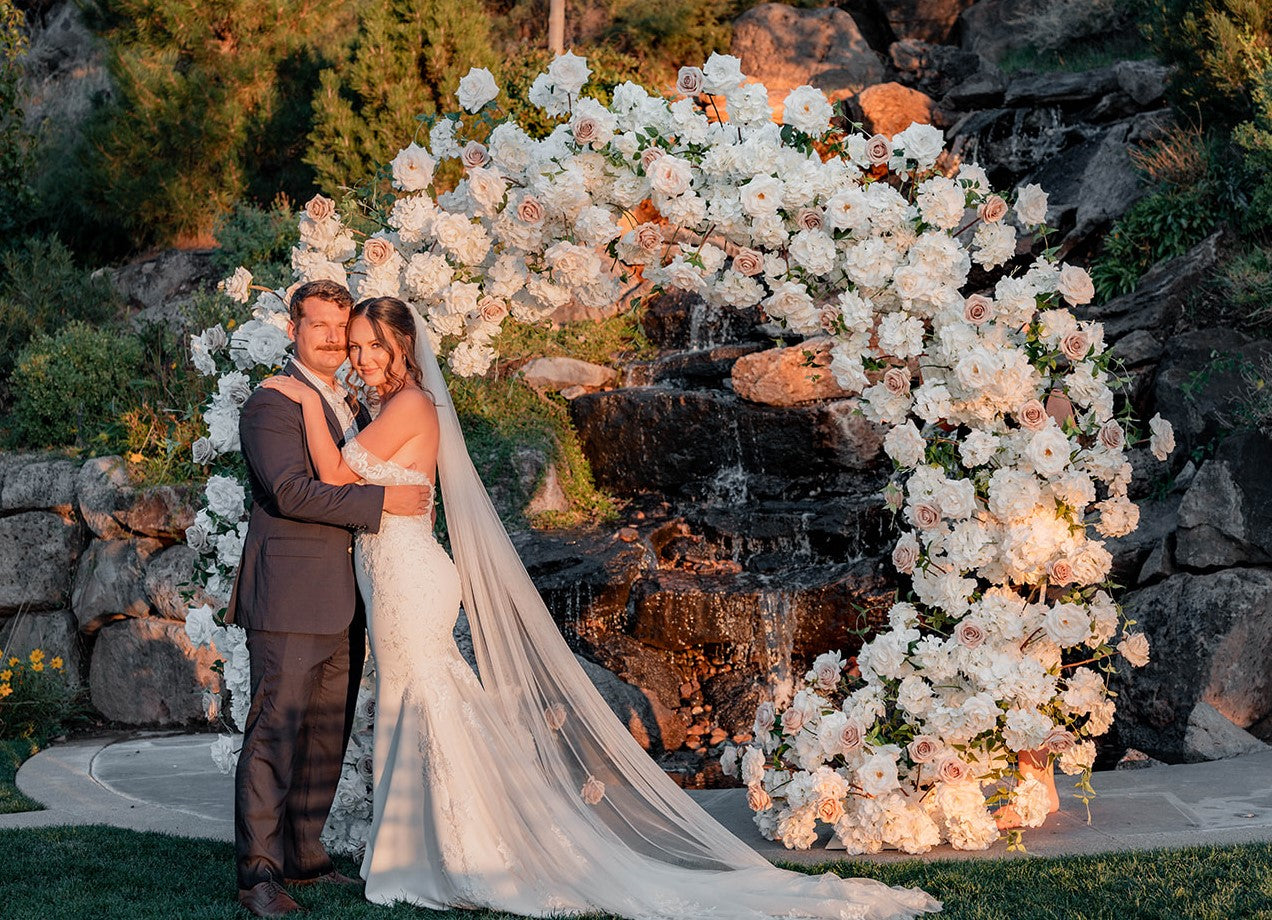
[[512, 789]]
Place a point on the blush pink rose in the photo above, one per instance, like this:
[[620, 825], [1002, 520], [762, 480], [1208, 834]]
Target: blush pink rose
[[1032, 415]]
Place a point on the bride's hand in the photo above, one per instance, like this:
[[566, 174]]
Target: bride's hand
[[290, 387]]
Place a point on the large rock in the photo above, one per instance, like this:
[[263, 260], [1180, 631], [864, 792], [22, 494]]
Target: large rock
[[921, 20], [39, 482], [787, 376], [584, 577], [67, 73], [679, 320], [114, 507], [37, 558], [992, 28], [1159, 297], [146, 672], [159, 285], [704, 368], [939, 69], [1051, 88], [559, 373], [636, 441], [1201, 383], [1211, 736], [169, 582], [1210, 636], [54, 632], [1226, 515], [784, 47], [1093, 181], [733, 696], [637, 710], [110, 582], [890, 108]]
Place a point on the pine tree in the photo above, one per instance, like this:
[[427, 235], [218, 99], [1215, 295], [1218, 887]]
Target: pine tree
[[213, 104], [15, 142], [407, 61]]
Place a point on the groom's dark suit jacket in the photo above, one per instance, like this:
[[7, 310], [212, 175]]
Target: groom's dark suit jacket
[[296, 573]]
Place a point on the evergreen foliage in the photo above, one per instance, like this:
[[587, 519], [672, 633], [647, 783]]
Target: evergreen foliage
[[212, 106], [16, 196], [406, 61]]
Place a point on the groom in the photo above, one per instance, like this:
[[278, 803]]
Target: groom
[[297, 598]]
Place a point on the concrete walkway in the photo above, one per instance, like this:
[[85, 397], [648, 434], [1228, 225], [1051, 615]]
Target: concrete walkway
[[168, 783]]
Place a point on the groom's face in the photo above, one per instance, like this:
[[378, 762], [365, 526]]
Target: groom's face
[[320, 335]]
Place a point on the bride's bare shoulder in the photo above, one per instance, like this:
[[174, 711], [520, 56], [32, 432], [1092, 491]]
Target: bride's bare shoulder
[[412, 405]]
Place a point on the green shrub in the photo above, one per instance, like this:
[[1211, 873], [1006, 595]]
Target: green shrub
[[260, 237], [1244, 285], [1222, 51], [71, 386], [671, 34], [42, 289]]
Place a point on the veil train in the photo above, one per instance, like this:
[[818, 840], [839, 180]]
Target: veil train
[[647, 841]]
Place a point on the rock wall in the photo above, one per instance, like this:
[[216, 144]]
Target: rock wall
[[91, 569]]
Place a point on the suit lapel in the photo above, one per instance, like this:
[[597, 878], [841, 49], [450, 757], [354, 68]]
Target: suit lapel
[[333, 423]]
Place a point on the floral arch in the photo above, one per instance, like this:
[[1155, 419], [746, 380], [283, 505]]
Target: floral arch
[[1009, 457]]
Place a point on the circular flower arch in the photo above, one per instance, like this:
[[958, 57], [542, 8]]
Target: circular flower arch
[[946, 315]]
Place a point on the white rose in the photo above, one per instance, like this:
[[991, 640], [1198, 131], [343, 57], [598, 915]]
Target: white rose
[[1075, 285], [670, 176], [238, 285], [569, 72], [722, 73], [807, 109], [905, 445], [877, 775], [1134, 649], [1162, 440], [1031, 205], [476, 88], [225, 497], [413, 168]]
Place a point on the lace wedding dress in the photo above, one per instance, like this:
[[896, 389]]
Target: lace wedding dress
[[518, 790]]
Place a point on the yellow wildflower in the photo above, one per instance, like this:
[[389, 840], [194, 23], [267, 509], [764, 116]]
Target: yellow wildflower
[[6, 676], [37, 655], [13, 662], [38, 666], [136, 457], [56, 663], [5, 690]]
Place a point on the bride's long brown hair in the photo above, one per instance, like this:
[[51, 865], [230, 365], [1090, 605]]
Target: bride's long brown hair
[[394, 328]]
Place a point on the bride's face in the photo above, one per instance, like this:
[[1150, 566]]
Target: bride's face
[[370, 357]]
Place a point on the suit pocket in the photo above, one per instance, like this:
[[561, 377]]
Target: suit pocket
[[295, 546]]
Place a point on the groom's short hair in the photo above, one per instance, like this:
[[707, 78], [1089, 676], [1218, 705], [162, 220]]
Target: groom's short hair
[[331, 291]]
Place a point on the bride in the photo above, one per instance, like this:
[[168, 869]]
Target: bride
[[515, 789]]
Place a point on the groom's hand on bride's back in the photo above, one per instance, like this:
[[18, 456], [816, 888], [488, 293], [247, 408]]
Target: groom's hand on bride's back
[[408, 500]]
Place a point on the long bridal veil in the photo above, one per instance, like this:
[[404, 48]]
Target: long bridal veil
[[648, 849]]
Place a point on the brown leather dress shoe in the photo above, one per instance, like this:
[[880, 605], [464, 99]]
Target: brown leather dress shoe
[[327, 878], [268, 899]]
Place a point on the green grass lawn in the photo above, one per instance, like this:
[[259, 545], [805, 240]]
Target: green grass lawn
[[83, 872], [12, 753]]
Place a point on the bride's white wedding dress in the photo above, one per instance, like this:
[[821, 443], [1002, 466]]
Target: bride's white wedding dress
[[520, 791]]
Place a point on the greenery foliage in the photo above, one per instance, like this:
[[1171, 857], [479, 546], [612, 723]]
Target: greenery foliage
[[72, 385], [16, 194], [406, 61], [37, 698], [211, 106], [262, 237], [41, 289]]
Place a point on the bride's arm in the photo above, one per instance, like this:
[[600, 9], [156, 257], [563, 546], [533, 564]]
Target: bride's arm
[[330, 465]]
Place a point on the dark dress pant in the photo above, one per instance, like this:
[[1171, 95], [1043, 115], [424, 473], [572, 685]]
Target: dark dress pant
[[304, 692]]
